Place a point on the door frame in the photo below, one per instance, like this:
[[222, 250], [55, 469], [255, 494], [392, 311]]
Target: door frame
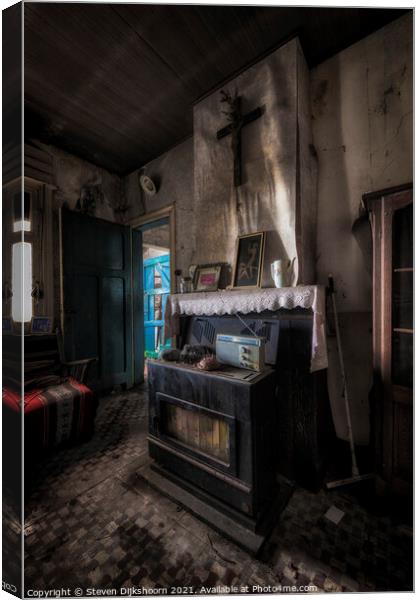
[[167, 212], [156, 215], [137, 315]]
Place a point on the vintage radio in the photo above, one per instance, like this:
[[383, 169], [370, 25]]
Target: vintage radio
[[244, 351]]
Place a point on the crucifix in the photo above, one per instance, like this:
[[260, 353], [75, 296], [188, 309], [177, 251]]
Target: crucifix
[[236, 121]]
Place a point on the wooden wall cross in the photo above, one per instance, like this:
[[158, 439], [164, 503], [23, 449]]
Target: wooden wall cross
[[236, 122]]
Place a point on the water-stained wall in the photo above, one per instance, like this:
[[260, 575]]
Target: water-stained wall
[[278, 172], [70, 175], [270, 197], [361, 120], [173, 176], [362, 127]]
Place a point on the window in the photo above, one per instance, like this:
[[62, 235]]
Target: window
[[22, 282]]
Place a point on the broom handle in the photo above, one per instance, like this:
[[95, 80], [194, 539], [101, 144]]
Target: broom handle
[[354, 467]]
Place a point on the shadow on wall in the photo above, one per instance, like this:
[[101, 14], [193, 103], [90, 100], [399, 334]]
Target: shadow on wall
[[269, 203], [335, 248], [265, 200]]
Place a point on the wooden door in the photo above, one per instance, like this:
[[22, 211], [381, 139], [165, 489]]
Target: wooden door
[[392, 221], [97, 296]]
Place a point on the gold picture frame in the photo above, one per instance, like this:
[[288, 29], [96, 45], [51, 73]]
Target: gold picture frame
[[249, 260], [207, 277]]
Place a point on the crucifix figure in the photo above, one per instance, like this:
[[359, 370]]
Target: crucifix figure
[[236, 121]]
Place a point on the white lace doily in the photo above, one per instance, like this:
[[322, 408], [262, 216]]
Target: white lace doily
[[230, 302]]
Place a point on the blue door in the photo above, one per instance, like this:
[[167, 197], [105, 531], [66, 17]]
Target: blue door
[[156, 278]]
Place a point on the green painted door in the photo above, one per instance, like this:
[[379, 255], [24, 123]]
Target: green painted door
[[97, 294]]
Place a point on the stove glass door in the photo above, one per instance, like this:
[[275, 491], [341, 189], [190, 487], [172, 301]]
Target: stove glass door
[[204, 433]]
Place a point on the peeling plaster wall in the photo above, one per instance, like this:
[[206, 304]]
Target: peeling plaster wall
[[307, 186], [269, 198], [173, 174], [361, 108], [70, 174], [362, 129], [197, 175]]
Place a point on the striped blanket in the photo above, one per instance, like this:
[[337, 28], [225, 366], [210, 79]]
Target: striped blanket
[[56, 414]]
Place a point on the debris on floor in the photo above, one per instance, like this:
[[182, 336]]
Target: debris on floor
[[334, 515], [111, 529]]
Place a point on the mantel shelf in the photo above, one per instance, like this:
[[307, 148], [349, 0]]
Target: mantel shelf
[[237, 301]]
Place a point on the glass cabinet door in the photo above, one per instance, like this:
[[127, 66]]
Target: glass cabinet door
[[391, 217], [402, 297]]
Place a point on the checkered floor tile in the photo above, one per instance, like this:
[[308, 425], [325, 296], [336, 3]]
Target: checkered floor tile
[[92, 522]]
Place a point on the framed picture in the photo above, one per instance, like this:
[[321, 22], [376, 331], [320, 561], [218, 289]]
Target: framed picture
[[207, 278], [41, 325], [192, 269], [249, 260]]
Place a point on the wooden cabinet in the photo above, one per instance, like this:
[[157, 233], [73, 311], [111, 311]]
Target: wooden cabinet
[[391, 216]]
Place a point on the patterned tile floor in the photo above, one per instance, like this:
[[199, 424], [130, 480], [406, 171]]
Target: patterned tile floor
[[92, 522]]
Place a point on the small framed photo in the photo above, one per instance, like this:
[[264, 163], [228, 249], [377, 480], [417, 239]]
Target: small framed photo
[[42, 325], [249, 260], [7, 325], [207, 278], [192, 270]]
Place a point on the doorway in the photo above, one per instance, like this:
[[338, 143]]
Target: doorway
[[153, 282], [156, 254]]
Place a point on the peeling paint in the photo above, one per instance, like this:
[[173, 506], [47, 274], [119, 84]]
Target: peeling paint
[[319, 101], [365, 134]]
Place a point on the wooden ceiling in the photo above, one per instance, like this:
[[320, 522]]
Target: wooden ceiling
[[115, 83]]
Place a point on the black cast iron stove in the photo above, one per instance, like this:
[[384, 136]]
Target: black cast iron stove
[[212, 435]]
